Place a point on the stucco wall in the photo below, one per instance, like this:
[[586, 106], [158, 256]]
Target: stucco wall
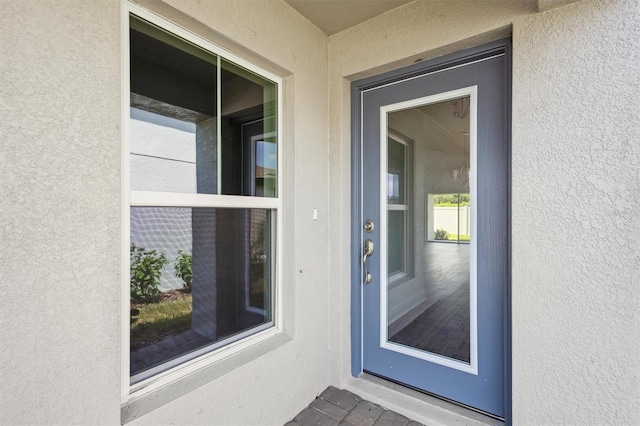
[[575, 144], [60, 215], [575, 110], [60, 219], [575, 294]]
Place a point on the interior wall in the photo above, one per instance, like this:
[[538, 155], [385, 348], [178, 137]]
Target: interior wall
[[435, 155], [60, 165], [575, 109]]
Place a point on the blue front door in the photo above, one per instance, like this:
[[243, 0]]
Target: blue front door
[[434, 182]]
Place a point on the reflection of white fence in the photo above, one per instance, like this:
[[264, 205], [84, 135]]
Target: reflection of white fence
[[166, 230], [447, 218]]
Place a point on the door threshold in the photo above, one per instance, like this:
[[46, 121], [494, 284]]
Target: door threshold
[[422, 407]]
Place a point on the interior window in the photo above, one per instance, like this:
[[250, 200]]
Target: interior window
[[399, 214]]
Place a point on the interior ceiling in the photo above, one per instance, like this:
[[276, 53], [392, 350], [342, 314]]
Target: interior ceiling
[[434, 126], [333, 16], [454, 130]]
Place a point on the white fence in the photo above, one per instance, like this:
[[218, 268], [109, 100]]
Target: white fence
[[454, 220]]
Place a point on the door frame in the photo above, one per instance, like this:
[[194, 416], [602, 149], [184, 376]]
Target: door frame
[[431, 66]]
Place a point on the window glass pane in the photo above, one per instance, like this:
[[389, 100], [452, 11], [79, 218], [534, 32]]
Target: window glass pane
[[396, 172], [200, 278], [248, 128], [397, 207], [396, 241], [173, 126]]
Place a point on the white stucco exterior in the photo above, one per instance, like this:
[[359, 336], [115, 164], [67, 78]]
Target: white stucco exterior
[[575, 271]]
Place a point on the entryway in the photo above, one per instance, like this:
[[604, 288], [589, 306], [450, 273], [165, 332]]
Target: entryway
[[338, 406], [431, 227], [349, 407]]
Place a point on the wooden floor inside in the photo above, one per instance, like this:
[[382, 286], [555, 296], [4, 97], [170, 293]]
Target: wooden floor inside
[[444, 328]]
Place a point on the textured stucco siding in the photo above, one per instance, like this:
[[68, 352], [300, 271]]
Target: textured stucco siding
[[60, 220], [575, 176], [576, 172], [60, 214], [576, 270]]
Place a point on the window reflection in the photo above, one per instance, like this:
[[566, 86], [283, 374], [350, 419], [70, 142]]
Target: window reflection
[[191, 133], [198, 276]]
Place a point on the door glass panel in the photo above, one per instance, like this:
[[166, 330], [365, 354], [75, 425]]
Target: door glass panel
[[429, 227]]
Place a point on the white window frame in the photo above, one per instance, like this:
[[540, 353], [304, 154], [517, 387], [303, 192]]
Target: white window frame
[[147, 198], [252, 175]]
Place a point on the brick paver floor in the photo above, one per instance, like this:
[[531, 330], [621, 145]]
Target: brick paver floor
[[340, 407]]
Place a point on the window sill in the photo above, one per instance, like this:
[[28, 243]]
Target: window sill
[[147, 399], [398, 279]]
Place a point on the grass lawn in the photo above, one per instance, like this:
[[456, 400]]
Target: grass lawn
[[161, 319], [454, 237]]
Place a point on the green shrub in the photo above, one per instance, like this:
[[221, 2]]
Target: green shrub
[[440, 234], [146, 268], [184, 269]]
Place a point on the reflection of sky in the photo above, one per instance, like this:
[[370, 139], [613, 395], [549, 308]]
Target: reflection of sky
[[266, 154], [393, 185]]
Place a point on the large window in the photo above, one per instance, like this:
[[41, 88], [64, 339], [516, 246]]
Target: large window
[[204, 199], [449, 217]]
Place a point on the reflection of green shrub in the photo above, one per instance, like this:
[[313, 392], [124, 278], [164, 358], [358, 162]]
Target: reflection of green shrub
[[146, 268], [183, 269], [258, 254], [440, 234], [256, 294]]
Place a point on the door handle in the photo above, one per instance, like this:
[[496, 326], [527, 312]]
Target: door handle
[[368, 250]]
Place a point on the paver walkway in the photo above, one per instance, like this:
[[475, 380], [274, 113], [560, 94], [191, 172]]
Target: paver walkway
[[340, 407]]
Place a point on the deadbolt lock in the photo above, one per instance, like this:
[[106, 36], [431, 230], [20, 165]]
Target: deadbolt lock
[[369, 226]]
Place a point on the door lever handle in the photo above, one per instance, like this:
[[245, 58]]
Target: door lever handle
[[368, 250]]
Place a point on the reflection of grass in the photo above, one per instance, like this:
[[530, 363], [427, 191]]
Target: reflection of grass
[[256, 297], [454, 237], [159, 320]]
